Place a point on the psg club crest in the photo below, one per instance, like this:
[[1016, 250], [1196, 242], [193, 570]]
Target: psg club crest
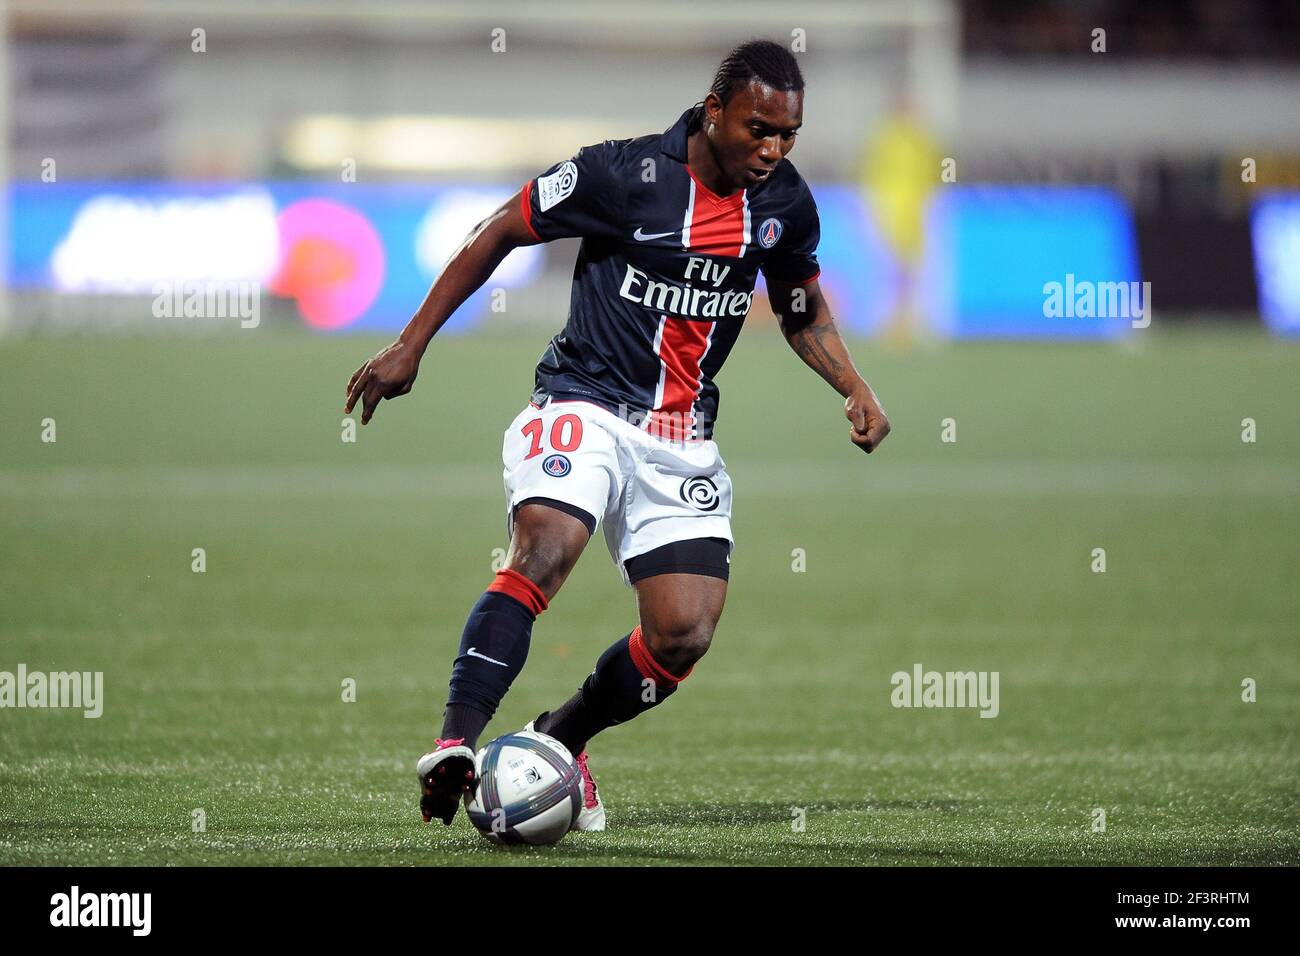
[[557, 466], [769, 232]]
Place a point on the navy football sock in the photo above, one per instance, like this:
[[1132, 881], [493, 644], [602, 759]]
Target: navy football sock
[[627, 681], [493, 648]]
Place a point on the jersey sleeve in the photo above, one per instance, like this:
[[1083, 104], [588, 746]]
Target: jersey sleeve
[[580, 197], [794, 257]]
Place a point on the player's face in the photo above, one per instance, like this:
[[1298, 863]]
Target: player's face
[[752, 133]]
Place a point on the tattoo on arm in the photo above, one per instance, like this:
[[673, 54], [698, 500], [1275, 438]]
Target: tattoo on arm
[[810, 344], [811, 332]]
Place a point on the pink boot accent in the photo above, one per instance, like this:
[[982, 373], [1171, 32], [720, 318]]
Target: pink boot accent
[[588, 782]]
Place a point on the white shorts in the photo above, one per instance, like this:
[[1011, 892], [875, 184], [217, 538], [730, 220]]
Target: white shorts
[[648, 491]]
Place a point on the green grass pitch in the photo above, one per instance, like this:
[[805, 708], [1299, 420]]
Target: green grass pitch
[[1119, 691]]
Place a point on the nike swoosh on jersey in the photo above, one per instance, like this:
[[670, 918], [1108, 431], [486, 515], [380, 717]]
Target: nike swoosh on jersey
[[639, 236], [473, 653]]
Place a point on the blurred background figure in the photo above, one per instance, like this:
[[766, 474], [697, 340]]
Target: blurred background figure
[[899, 166]]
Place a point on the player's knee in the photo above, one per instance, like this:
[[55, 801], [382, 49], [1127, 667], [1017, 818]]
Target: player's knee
[[678, 643], [544, 563], [546, 545], [545, 559]]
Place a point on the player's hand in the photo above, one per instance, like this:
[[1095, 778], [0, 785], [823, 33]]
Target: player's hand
[[389, 374], [867, 420]]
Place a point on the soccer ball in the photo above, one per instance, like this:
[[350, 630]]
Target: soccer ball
[[529, 790]]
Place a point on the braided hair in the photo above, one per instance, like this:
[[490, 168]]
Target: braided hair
[[763, 60]]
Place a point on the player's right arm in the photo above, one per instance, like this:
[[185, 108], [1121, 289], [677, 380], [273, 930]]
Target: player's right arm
[[392, 372]]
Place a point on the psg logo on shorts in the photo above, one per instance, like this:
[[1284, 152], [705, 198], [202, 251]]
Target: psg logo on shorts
[[557, 466], [700, 492], [769, 232]]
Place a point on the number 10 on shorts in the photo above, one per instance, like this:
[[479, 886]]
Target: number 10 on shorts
[[566, 434]]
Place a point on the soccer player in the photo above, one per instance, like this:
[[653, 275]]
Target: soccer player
[[675, 228]]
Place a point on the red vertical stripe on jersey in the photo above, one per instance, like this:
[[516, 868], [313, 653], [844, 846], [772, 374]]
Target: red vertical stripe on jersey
[[681, 350], [717, 222]]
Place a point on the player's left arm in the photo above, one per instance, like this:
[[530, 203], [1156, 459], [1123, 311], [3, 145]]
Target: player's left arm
[[808, 326]]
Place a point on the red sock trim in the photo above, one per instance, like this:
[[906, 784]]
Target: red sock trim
[[646, 664], [511, 582]]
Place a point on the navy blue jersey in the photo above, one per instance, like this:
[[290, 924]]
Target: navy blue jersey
[[665, 275]]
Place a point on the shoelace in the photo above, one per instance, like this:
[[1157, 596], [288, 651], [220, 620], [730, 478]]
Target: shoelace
[[439, 743], [588, 795]]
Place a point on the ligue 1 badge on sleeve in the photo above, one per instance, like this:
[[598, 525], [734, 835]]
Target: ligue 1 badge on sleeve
[[558, 186]]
